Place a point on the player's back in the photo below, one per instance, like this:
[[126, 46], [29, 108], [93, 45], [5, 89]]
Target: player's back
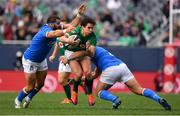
[[104, 59], [40, 45]]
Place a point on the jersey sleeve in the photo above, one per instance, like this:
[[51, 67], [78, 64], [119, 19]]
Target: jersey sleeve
[[59, 43], [45, 30], [74, 32]]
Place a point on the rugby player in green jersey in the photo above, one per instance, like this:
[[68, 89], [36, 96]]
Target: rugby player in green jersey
[[64, 72], [84, 35]]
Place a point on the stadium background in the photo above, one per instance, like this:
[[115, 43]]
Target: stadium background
[[137, 31]]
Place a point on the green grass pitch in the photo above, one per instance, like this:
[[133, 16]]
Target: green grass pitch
[[49, 104]]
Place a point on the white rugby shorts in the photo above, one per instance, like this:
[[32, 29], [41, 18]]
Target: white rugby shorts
[[68, 53], [113, 74], [33, 67], [64, 67]]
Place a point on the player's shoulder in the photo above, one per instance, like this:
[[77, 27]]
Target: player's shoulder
[[78, 29], [93, 34], [45, 27]]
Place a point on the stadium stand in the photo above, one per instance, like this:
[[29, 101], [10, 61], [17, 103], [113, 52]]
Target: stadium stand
[[119, 22]]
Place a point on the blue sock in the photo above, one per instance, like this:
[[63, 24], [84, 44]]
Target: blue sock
[[33, 93], [22, 94], [106, 95], [151, 94]]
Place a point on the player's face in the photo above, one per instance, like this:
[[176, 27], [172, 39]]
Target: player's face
[[57, 25], [88, 29]]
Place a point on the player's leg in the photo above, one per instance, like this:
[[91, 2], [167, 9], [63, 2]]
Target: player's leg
[[83, 84], [103, 93], [63, 80], [86, 66], [40, 78], [108, 78], [41, 75], [128, 78], [77, 70], [135, 87], [63, 76], [30, 76]]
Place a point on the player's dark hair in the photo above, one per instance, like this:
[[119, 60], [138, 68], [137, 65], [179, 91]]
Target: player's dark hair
[[87, 20], [52, 19]]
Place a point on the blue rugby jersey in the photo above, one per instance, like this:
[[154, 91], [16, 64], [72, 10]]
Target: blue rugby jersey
[[104, 59], [40, 46]]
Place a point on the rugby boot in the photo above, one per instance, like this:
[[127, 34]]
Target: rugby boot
[[17, 103], [91, 100], [164, 104], [74, 98], [116, 103]]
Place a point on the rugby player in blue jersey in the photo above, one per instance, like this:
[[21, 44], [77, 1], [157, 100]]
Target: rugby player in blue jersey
[[34, 58], [111, 70]]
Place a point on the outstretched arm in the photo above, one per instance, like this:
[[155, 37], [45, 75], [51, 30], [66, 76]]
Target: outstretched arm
[[81, 11], [59, 33]]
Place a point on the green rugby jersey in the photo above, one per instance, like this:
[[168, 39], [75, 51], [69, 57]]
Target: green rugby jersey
[[61, 47], [82, 45]]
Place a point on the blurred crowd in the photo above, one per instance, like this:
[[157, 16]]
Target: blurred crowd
[[176, 21], [119, 22]]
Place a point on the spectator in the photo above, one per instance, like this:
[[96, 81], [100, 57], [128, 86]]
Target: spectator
[[158, 80], [127, 40], [21, 31], [7, 31]]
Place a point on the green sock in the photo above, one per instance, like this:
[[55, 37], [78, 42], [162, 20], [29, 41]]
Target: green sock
[[76, 84], [67, 90], [89, 84]]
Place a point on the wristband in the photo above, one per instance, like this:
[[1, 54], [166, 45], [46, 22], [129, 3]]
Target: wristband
[[79, 15], [64, 31]]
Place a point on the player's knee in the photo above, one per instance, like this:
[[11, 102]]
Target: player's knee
[[87, 73], [40, 85], [87, 70], [78, 74], [28, 89], [62, 82]]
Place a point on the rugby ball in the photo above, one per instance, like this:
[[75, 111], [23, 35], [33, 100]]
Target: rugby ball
[[74, 37]]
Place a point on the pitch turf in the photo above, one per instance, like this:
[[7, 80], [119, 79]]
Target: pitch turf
[[49, 104]]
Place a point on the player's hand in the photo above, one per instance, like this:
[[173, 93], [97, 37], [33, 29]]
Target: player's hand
[[63, 59], [93, 75], [72, 41], [70, 28], [81, 9], [51, 58]]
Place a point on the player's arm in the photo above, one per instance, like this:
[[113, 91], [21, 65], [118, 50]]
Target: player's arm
[[79, 54], [96, 73], [66, 40], [91, 50], [74, 56], [59, 33], [55, 52], [75, 22], [81, 11], [91, 45]]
